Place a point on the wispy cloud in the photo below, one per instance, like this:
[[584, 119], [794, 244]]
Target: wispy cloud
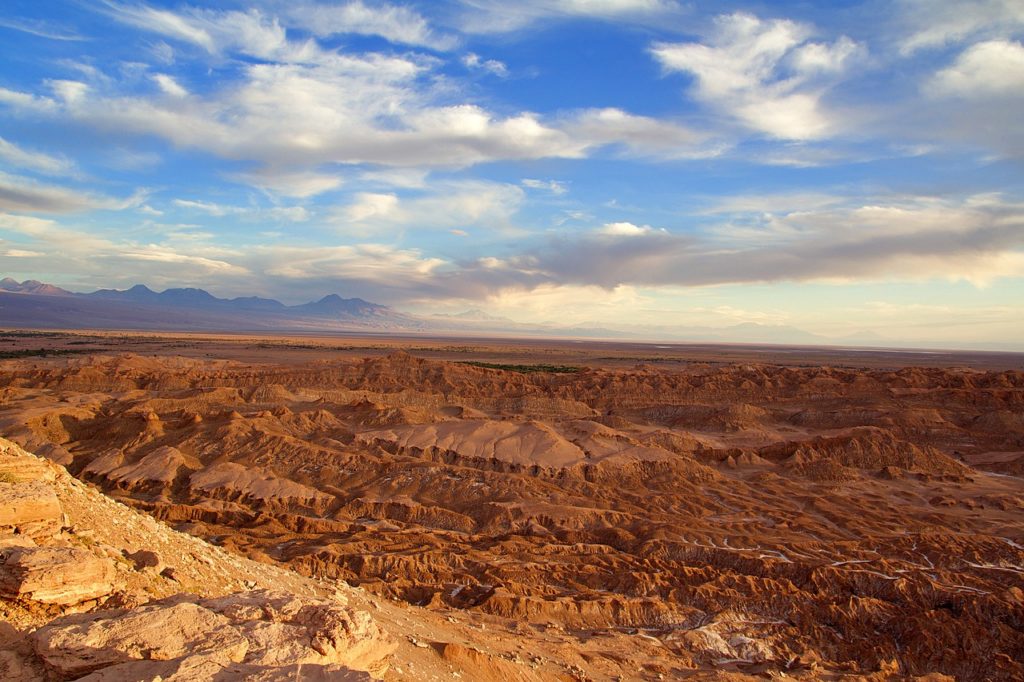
[[274, 214], [474, 62], [929, 24], [494, 16], [769, 75], [32, 160], [41, 29], [552, 186], [26, 195], [396, 23]]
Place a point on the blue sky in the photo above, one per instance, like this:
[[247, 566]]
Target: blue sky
[[840, 167]]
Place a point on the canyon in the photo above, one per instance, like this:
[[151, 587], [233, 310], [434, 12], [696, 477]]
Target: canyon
[[581, 511]]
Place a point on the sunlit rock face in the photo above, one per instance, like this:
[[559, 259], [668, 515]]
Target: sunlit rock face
[[745, 517]]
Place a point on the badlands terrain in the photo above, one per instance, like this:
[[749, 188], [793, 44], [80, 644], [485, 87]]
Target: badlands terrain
[[542, 510]]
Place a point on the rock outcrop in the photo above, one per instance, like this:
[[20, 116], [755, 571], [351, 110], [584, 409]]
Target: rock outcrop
[[28, 508], [255, 632], [55, 575], [253, 635]]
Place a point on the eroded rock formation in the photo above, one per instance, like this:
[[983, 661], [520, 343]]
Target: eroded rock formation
[[757, 518]]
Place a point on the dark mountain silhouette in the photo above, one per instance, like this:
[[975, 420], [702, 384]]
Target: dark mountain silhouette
[[35, 304], [334, 305]]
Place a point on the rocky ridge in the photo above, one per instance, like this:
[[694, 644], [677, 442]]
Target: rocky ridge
[[744, 518], [56, 571]]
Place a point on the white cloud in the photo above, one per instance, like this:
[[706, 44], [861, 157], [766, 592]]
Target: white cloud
[[291, 183], [371, 205], [22, 253], [169, 85], [976, 239], [448, 205], [163, 254], [409, 178], [473, 62], [783, 203], [378, 264], [26, 102], [165, 22], [991, 68], [25, 224], [640, 135], [70, 92], [87, 254], [36, 161], [395, 23], [250, 33], [767, 74], [276, 213], [24, 194], [301, 108], [553, 186], [496, 16], [207, 207], [624, 229], [356, 110], [936, 23], [41, 29]]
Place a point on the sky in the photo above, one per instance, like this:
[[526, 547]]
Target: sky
[[851, 169]]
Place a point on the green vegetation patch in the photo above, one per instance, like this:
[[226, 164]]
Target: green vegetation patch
[[40, 352]]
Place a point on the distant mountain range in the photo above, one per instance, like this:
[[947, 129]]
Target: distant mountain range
[[37, 305]]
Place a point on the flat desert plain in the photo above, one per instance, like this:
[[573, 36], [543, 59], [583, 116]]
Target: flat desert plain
[[589, 510]]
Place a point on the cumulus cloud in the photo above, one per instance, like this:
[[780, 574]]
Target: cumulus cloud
[[357, 110], [372, 206], [975, 102], [640, 135], [767, 74], [299, 107], [448, 206], [625, 229], [990, 68]]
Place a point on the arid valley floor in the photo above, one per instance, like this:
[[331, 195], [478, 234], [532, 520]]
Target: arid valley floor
[[545, 510]]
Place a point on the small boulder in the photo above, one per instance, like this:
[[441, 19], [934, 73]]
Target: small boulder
[[74, 646], [253, 636], [30, 508], [55, 575]]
